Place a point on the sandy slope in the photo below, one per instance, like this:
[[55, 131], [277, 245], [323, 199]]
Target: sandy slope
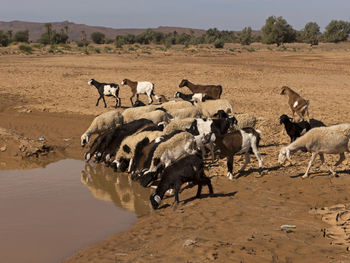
[[49, 96]]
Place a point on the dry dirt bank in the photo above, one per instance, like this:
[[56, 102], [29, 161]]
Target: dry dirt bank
[[49, 96]]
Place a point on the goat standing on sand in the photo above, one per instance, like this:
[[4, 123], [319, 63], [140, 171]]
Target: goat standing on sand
[[294, 129], [297, 104], [212, 91], [331, 140], [240, 141], [106, 89], [141, 87]]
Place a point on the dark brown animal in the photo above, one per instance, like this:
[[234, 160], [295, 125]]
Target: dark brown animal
[[212, 91], [296, 103], [239, 141]]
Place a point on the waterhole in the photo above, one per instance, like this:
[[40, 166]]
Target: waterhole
[[50, 213]]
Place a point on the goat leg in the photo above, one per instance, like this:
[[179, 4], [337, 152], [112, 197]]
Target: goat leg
[[230, 167], [103, 97], [313, 155], [246, 161], [199, 191], [328, 167], [98, 100]]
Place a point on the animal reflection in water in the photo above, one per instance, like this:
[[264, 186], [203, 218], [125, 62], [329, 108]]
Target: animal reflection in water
[[107, 185]]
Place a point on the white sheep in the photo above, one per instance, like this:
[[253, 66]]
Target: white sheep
[[172, 105], [331, 140], [181, 124], [103, 122], [132, 114], [245, 120], [188, 112], [157, 116], [168, 151], [209, 108]]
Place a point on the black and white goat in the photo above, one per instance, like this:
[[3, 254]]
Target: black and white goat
[[106, 89], [294, 129], [239, 141], [187, 169], [190, 97], [206, 131]]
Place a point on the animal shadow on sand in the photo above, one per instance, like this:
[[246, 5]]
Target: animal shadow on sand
[[256, 170], [321, 173]]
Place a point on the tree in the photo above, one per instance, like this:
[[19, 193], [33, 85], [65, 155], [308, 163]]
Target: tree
[[21, 36], [4, 39], [310, 33], [245, 37], [98, 37], [48, 27], [277, 31], [336, 31]]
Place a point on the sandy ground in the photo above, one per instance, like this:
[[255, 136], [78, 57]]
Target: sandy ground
[[49, 96]]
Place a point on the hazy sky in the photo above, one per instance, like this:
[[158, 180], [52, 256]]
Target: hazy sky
[[204, 14]]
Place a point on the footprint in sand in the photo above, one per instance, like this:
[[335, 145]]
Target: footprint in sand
[[338, 217]]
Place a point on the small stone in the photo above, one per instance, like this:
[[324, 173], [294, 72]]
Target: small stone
[[189, 242], [3, 148]]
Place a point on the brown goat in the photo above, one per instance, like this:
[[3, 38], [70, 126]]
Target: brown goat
[[297, 104], [212, 91], [239, 141]]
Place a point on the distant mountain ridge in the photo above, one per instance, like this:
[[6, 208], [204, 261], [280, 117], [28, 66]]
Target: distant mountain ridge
[[36, 29]]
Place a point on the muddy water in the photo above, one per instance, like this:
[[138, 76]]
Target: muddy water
[[48, 214]]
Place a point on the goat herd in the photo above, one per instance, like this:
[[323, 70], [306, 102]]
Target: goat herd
[[169, 140]]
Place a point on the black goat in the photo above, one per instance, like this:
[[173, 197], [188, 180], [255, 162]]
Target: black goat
[[187, 169], [106, 89], [294, 129]]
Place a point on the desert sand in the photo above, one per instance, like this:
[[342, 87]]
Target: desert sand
[[48, 95]]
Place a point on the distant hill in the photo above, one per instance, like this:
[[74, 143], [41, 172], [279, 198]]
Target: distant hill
[[74, 30]]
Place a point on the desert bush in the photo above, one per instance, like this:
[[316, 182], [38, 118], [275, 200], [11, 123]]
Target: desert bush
[[98, 37], [277, 31], [336, 31], [26, 49], [4, 39], [245, 36], [107, 49], [21, 36], [219, 43]]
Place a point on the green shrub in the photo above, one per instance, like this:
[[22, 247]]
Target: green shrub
[[22, 36], [107, 49], [26, 49], [97, 50], [245, 37], [98, 37], [219, 43]]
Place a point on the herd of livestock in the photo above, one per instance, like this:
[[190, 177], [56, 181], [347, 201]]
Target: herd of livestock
[[166, 143]]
